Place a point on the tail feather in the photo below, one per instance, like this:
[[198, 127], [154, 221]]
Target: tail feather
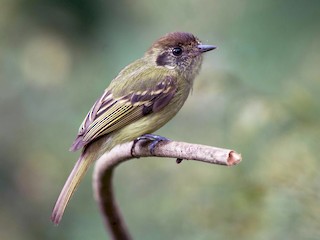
[[69, 187]]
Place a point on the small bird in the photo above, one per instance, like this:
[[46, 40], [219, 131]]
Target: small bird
[[142, 98]]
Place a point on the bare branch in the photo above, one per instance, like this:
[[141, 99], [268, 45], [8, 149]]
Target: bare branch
[[102, 176]]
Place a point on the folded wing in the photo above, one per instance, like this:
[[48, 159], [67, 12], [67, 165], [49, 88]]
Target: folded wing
[[109, 113]]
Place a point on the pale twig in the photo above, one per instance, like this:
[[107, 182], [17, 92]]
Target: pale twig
[[102, 176]]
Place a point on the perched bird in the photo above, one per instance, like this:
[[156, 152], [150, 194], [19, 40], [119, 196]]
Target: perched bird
[[142, 98]]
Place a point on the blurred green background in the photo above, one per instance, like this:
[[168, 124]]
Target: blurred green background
[[258, 93]]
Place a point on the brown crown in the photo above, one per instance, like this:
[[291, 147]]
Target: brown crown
[[176, 39]]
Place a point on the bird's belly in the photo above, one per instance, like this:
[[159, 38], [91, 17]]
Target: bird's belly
[[150, 123]]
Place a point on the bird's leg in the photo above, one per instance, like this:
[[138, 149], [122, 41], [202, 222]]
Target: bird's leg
[[154, 139]]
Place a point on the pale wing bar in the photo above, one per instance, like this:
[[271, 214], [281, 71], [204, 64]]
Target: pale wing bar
[[109, 114]]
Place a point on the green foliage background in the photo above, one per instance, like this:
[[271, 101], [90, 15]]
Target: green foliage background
[[258, 93]]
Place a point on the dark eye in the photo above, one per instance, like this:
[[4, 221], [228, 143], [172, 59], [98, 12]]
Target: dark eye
[[177, 51]]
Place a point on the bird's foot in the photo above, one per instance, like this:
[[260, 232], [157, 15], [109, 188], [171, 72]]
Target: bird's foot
[[154, 140], [179, 160]]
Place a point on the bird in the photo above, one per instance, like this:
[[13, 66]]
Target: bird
[[142, 98]]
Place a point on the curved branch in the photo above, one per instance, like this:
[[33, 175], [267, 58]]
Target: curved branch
[[103, 170]]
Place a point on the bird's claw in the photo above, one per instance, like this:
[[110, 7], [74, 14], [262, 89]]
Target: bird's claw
[[154, 139], [179, 160]]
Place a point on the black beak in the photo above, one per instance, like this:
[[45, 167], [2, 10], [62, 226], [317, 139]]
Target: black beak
[[205, 48]]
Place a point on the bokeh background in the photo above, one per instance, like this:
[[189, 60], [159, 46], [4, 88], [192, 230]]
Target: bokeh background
[[258, 93]]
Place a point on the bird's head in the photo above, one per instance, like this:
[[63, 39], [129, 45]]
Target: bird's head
[[180, 51]]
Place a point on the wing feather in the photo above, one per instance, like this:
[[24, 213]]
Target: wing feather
[[109, 114]]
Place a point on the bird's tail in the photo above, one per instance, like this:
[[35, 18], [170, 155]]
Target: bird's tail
[[70, 186]]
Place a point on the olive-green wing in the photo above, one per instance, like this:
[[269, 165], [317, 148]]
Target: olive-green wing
[[109, 113]]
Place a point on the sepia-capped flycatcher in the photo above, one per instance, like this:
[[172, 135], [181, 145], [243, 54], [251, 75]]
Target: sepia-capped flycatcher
[[142, 98]]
